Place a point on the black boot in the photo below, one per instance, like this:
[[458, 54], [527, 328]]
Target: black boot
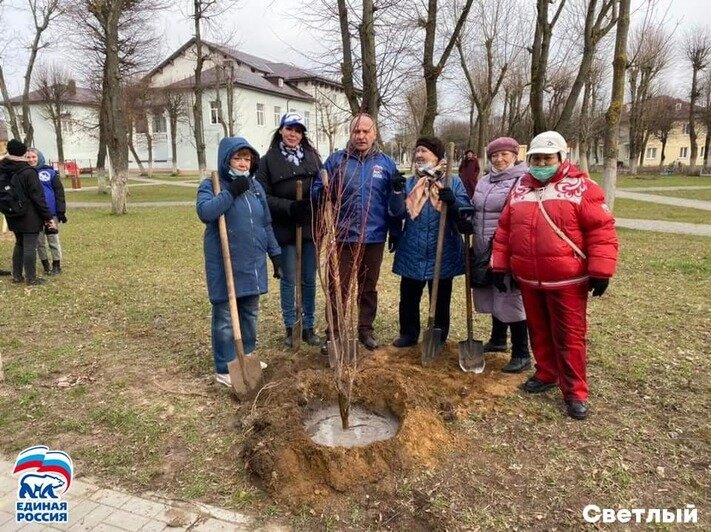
[[309, 336], [520, 355], [47, 267], [289, 340], [56, 267], [497, 341]]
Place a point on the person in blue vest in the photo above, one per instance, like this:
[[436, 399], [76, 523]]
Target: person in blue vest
[[54, 196], [361, 180], [251, 238], [419, 203]]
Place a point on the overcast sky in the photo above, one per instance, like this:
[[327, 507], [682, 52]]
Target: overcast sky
[[266, 28]]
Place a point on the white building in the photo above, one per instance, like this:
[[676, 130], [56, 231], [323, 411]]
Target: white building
[[262, 92], [79, 122]]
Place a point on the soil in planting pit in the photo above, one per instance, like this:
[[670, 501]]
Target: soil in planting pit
[[295, 470]]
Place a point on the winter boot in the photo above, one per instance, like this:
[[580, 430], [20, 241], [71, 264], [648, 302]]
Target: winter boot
[[497, 341], [36, 281], [289, 339], [56, 267], [520, 355], [46, 266], [309, 336]]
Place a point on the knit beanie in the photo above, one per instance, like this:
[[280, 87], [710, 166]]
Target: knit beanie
[[16, 148], [502, 144], [433, 144]]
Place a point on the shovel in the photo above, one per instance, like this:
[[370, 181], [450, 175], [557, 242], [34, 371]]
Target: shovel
[[432, 337], [471, 352], [245, 371], [298, 327]]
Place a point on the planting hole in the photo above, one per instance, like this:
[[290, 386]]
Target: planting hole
[[325, 428]]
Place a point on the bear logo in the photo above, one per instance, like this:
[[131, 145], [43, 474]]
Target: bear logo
[[39, 487]]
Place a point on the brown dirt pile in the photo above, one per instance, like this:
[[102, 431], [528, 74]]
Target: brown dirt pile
[[295, 470]]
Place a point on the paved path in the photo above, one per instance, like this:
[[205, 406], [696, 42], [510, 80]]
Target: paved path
[[100, 509], [663, 226], [107, 204], [665, 200], [664, 189]]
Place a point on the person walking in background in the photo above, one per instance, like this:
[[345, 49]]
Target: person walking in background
[[361, 180], [21, 178], [557, 237], [469, 171], [506, 308], [243, 203], [292, 157], [54, 196], [418, 200]]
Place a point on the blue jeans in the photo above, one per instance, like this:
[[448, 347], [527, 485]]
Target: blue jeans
[[308, 283], [223, 345]]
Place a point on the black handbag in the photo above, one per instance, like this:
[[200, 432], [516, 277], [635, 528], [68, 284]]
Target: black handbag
[[480, 274]]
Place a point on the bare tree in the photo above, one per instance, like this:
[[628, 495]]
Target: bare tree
[[54, 86], [661, 121], [540, 50], [612, 117], [43, 12], [706, 115], [587, 118], [176, 107], [485, 57], [697, 48]]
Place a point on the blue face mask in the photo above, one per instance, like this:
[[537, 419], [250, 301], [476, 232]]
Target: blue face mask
[[238, 173], [543, 173]]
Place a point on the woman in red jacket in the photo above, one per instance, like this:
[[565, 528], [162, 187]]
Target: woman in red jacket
[[557, 237]]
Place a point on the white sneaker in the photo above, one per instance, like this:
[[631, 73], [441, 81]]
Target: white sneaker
[[223, 378]]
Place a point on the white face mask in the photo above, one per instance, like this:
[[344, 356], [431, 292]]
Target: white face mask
[[239, 173]]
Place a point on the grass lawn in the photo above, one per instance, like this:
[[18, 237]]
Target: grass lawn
[[703, 194], [139, 193], [111, 362], [645, 210], [644, 180]]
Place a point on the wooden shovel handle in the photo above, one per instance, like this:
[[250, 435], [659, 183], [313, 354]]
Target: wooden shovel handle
[[229, 277]]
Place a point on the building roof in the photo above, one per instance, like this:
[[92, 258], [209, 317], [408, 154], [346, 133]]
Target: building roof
[[244, 79], [80, 96], [264, 76]]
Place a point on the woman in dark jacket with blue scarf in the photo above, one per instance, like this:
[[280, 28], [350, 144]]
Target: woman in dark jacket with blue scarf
[[291, 158], [249, 227]]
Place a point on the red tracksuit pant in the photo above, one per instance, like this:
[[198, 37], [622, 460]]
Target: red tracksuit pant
[[557, 325]]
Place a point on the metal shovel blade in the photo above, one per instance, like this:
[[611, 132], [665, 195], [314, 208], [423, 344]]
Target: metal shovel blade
[[246, 375], [431, 345], [297, 331], [471, 355]]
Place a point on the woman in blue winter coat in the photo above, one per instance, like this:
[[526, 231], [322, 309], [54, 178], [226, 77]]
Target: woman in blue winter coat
[[419, 204], [54, 196], [251, 238], [506, 308]]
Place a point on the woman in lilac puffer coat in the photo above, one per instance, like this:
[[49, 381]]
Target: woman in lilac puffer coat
[[506, 308]]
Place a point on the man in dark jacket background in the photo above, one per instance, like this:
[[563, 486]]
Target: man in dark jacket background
[[469, 171], [17, 172], [361, 180]]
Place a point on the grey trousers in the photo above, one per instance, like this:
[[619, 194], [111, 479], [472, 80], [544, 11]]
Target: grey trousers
[[52, 241]]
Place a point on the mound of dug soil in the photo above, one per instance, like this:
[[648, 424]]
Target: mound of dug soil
[[295, 470]]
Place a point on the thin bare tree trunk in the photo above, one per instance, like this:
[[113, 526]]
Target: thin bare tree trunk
[[347, 70], [198, 127], [612, 117], [9, 109]]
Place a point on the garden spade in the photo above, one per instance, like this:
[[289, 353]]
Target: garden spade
[[298, 327], [471, 352], [245, 371], [432, 337]]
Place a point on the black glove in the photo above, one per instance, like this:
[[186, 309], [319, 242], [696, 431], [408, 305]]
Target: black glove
[[497, 279], [447, 196], [393, 241], [465, 226], [276, 263], [399, 182], [62, 217], [300, 210], [239, 185], [514, 284], [597, 286]]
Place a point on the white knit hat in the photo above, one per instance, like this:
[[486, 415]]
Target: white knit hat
[[549, 142]]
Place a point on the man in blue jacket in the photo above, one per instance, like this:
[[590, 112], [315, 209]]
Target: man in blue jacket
[[361, 180], [251, 238]]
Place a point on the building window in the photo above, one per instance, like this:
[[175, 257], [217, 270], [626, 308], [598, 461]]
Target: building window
[[685, 129], [65, 123], [215, 113], [292, 110], [702, 151], [277, 115], [260, 114], [651, 153], [678, 106], [683, 152], [159, 122], [307, 119]]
